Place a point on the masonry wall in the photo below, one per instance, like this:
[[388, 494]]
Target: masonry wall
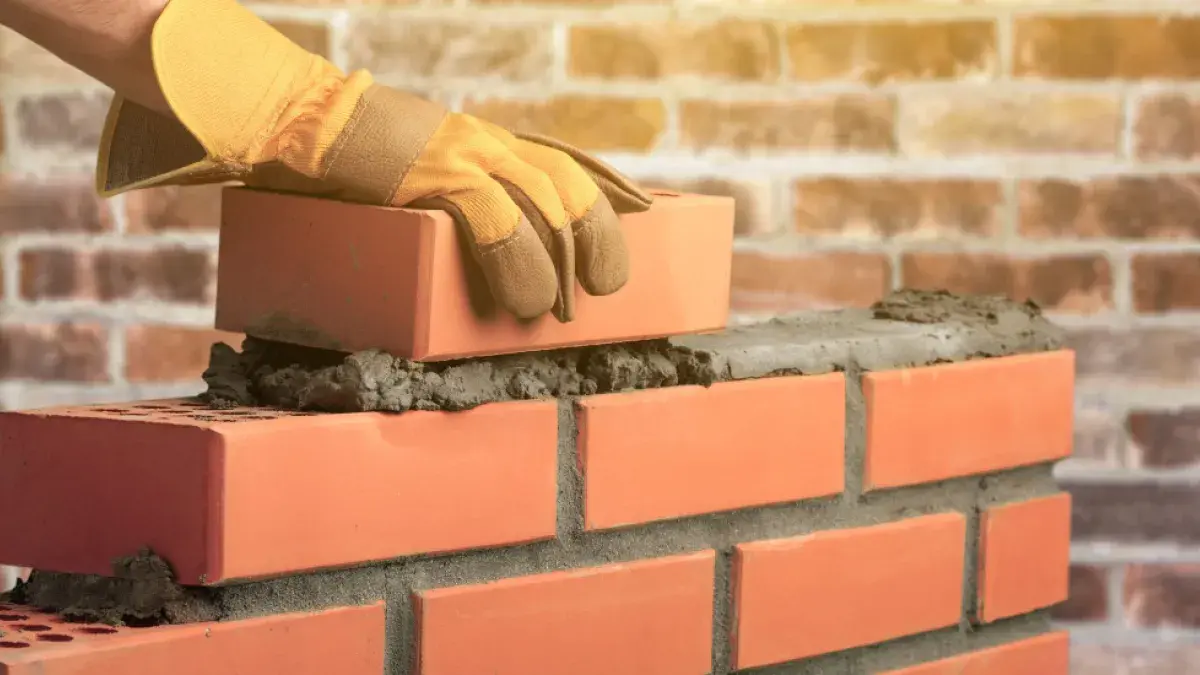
[[1042, 149], [862, 496]]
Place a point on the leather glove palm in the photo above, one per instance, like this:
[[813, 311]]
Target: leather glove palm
[[251, 105]]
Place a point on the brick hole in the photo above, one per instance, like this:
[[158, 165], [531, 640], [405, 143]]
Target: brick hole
[[11, 644], [54, 637], [192, 404], [97, 630], [31, 627], [152, 406], [205, 418], [14, 617]]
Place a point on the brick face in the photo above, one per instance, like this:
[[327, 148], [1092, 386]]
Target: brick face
[[1161, 207], [881, 52], [883, 208], [728, 50], [591, 123], [1076, 284], [783, 282], [169, 275], [66, 352], [1103, 47], [851, 123]]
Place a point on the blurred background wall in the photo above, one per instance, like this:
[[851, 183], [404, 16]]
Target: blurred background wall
[[1045, 150]]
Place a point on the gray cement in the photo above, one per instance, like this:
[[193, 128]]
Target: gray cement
[[907, 328]]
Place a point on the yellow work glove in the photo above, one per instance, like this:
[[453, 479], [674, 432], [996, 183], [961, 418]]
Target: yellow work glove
[[251, 105]]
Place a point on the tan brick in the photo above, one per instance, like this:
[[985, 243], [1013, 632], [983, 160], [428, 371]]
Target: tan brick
[[568, 3], [1128, 207], [886, 207], [1077, 284], [753, 212], [1168, 127], [588, 122], [978, 121], [787, 282], [70, 122], [1103, 47], [847, 122], [731, 50], [881, 52], [310, 35], [1166, 282], [463, 48]]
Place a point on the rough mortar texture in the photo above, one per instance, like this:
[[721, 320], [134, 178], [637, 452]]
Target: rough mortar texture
[[141, 592], [907, 328]]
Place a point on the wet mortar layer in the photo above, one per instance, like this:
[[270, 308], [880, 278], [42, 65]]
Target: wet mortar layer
[[907, 328], [98, 598]]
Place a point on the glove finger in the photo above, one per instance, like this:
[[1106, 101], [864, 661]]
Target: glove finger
[[623, 194], [517, 266], [601, 256], [534, 194]]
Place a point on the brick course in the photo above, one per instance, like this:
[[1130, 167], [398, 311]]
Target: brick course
[[680, 529]]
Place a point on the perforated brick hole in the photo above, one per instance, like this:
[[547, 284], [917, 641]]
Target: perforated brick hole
[[177, 411], [28, 628]]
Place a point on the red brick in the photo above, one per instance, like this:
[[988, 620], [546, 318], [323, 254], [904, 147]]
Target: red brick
[[1162, 596], [700, 450], [411, 293], [1075, 283], [347, 641], [170, 353], [1024, 556], [193, 207], [1042, 655], [833, 590], [244, 493], [812, 280], [1087, 595], [56, 205], [66, 352], [1166, 282], [168, 274], [648, 616], [962, 419]]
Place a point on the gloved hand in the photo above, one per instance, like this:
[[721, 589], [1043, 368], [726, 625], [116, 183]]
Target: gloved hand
[[253, 106]]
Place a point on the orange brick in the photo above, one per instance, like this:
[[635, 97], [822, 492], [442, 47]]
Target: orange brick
[[252, 492], [1043, 655], [960, 419], [649, 616], [347, 641], [699, 450], [800, 597], [398, 281], [1024, 556]]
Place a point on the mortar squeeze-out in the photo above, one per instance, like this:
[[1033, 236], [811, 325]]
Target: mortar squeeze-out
[[294, 377]]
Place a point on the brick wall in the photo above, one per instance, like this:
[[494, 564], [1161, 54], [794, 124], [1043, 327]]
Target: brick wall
[[890, 511], [1045, 150]]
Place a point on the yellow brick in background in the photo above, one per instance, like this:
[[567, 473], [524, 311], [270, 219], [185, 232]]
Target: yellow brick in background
[[432, 48], [879, 52], [984, 121], [591, 123], [852, 122], [732, 50], [1103, 47], [887, 207]]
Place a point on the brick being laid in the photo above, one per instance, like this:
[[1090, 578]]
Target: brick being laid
[[346, 640], [349, 277]]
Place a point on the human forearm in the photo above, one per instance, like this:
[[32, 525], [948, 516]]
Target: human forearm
[[107, 39]]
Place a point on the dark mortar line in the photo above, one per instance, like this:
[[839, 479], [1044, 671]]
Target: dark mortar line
[[722, 611], [913, 650], [970, 577], [855, 435], [400, 649], [570, 517]]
